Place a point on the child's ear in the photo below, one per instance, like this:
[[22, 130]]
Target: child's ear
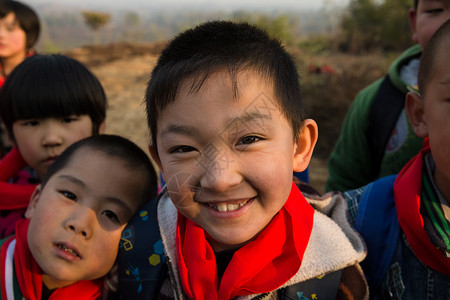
[[412, 14], [304, 145], [415, 110], [155, 156], [102, 127], [33, 201]]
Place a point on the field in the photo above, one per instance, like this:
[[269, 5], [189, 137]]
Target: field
[[124, 70]]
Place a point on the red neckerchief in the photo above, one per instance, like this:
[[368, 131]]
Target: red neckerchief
[[260, 266], [29, 274], [407, 191], [13, 196]]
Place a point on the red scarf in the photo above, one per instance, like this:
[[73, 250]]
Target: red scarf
[[29, 274], [13, 196], [260, 266], [407, 193]]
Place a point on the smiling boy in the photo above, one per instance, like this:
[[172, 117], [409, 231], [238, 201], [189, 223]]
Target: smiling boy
[[70, 238], [224, 110]]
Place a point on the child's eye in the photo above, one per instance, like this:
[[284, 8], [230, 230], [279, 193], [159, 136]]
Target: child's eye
[[69, 119], [434, 10], [181, 149], [31, 123], [112, 216], [69, 195], [11, 27], [248, 140]]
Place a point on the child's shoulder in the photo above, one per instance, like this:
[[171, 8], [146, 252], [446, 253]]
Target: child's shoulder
[[332, 230], [141, 255]]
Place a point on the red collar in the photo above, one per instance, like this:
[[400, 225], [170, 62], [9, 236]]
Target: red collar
[[260, 266], [407, 193]]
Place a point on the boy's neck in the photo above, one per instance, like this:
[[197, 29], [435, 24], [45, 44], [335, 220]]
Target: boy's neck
[[46, 292]]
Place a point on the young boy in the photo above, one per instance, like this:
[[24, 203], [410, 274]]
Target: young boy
[[225, 116], [19, 31], [69, 240], [376, 138], [47, 103], [405, 219]]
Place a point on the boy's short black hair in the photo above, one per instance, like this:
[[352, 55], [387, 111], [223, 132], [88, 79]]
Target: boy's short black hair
[[428, 58], [25, 16], [223, 46], [113, 146], [51, 85]]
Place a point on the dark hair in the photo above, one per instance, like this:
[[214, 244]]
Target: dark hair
[[115, 146], [429, 54], [416, 2], [25, 16], [52, 85], [223, 45]]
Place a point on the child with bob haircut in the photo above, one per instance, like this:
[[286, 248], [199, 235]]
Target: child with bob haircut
[[405, 218], [19, 31], [70, 237], [226, 120], [47, 103]]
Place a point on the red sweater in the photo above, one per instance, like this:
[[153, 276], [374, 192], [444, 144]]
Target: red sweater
[[14, 198]]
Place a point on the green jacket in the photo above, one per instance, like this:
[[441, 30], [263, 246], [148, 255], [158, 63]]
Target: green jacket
[[350, 164]]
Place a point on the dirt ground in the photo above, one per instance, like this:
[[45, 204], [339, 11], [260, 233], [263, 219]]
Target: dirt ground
[[124, 70]]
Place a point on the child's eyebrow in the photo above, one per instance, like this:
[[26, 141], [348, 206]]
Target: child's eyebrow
[[431, 1], [179, 129], [249, 117], [82, 185], [73, 180]]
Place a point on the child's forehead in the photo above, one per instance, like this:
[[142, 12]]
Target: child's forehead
[[235, 81]]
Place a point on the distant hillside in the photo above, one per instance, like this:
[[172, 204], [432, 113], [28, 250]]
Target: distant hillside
[[64, 27]]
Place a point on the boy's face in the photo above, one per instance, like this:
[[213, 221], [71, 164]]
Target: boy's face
[[12, 38], [430, 116], [41, 141], [228, 162], [78, 216], [428, 17], [436, 117]]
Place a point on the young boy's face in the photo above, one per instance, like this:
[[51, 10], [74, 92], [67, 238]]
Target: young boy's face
[[427, 18], [436, 117], [12, 38], [228, 161], [41, 141], [78, 216], [430, 116]]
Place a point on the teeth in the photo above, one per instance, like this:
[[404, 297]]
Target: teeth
[[223, 207], [68, 250]]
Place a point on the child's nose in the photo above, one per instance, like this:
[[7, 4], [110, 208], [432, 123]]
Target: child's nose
[[81, 221], [51, 137], [220, 172]]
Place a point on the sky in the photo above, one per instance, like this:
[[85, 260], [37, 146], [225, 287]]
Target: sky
[[294, 4]]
